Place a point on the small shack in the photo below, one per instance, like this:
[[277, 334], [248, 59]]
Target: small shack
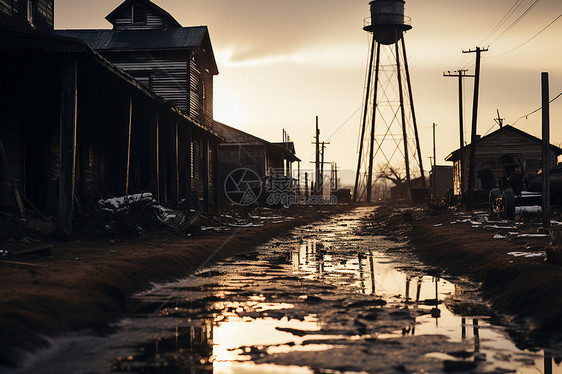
[[489, 150], [242, 150], [440, 180]]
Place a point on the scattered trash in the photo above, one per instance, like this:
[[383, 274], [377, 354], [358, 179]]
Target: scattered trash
[[532, 209], [527, 254], [499, 236]]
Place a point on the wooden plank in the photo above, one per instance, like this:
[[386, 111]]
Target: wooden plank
[[16, 263], [43, 250], [206, 174], [68, 123], [128, 169], [154, 157], [174, 172], [17, 195]]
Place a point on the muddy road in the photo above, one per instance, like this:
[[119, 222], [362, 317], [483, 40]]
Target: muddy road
[[325, 298]]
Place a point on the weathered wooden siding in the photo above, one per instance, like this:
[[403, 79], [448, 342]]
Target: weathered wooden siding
[[164, 73], [200, 91], [211, 174], [124, 21], [489, 151], [13, 14], [198, 187]]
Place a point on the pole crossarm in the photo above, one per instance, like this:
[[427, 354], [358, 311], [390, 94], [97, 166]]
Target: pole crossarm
[[478, 49]]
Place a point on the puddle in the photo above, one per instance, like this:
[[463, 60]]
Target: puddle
[[323, 298]]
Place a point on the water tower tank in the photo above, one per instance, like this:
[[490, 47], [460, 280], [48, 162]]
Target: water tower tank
[[388, 22]]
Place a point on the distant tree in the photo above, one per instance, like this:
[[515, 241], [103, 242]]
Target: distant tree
[[389, 172]]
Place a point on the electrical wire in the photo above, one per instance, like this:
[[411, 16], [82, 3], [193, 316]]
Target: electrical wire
[[504, 19], [514, 23], [536, 110], [528, 40]]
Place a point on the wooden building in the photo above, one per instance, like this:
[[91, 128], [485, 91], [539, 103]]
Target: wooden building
[[242, 150], [440, 180], [489, 150], [76, 128], [175, 62]]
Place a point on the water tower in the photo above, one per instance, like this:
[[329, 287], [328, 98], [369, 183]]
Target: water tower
[[388, 128]]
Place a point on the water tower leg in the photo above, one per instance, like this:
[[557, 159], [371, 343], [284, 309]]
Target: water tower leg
[[364, 121], [418, 148], [403, 117], [372, 142]]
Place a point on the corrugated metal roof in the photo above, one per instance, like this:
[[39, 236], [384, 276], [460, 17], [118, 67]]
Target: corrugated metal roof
[[185, 37]]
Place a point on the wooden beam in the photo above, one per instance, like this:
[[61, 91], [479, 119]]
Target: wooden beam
[[6, 163], [68, 123], [206, 174], [155, 157], [191, 159], [130, 122], [174, 172]]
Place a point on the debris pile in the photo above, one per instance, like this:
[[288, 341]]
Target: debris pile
[[132, 215]]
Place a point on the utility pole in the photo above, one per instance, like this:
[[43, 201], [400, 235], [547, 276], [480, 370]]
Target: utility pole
[[499, 120], [336, 174], [472, 164], [317, 166], [434, 158], [545, 150], [434, 162], [319, 163], [320, 183], [461, 73], [333, 176]]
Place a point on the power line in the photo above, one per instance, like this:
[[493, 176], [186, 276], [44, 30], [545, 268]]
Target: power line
[[536, 110], [517, 20], [340, 127], [504, 19], [528, 40]]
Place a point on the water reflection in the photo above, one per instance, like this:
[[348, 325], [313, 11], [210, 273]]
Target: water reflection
[[372, 272], [323, 287]]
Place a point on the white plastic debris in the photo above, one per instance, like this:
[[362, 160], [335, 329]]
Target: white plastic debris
[[527, 254], [116, 203], [499, 236], [532, 209]]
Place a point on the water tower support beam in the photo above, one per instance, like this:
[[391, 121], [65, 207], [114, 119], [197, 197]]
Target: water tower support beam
[[372, 142], [418, 148], [403, 115], [364, 121]]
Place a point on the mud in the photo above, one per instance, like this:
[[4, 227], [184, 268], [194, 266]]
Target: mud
[[525, 289], [322, 299], [86, 283]]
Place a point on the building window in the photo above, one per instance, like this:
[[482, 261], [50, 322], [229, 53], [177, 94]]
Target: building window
[[31, 9], [139, 14]]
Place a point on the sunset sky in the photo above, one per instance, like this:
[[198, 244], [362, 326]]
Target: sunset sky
[[283, 62]]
